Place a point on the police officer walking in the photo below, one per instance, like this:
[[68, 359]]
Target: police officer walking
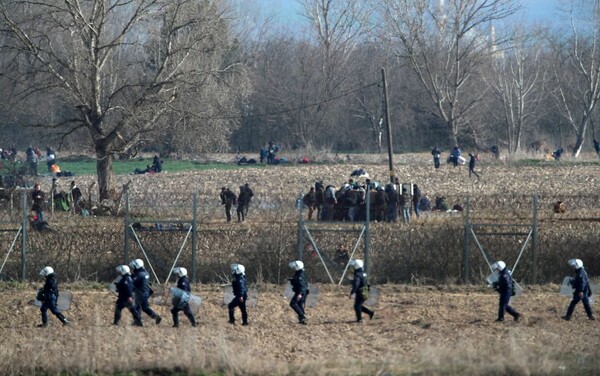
[[125, 296], [504, 286], [300, 289], [48, 295], [240, 293], [581, 284], [183, 284], [141, 288], [360, 290]]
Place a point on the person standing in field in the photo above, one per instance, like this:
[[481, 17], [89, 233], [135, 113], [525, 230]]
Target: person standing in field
[[228, 198], [310, 201], [582, 290], [472, 160], [38, 205], [240, 293], [125, 296], [416, 197], [250, 194], [243, 200], [360, 291], [48, 295], [504, 286], [300, 289], [436, 157]]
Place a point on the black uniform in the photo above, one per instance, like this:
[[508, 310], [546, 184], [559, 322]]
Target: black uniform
[[240, 294], [300, 289], [49, 295], [141, 288], [125, 300], [357, 284], [184, 284], [504, 286], [436, 156], [581, 284]]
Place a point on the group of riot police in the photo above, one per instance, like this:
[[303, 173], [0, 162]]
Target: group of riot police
[[134, 290]]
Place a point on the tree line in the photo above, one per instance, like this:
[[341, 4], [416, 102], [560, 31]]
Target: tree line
[[197, 76]]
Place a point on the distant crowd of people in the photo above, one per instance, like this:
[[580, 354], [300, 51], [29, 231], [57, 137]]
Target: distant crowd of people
[[348, 202]]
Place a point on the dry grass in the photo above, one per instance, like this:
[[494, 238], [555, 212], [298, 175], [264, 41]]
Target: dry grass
[[416, 330]]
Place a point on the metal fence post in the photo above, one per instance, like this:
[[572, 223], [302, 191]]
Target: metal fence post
[[194, 235], [466, 250], [126, 230], [534, 234], [367, 235], [299, 206], [24, 238]]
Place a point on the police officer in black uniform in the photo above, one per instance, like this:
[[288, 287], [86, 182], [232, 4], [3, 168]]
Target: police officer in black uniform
[[240, 293], [141, 288], [504, 286], [582, 290], [183, 284], [300, 289], [359, 290], [125, 296], [48, 295]]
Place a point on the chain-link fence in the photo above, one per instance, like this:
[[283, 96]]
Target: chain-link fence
[[431, 249]]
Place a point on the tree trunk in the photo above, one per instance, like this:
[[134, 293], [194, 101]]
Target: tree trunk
[[106, 175]]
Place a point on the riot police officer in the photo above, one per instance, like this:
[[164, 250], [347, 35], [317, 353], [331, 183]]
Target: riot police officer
[[581, 285], [240, 293], [48, 295], [504, 286], [183, 305], [300, 289], [360, 290], [141, 288], [125, 296]]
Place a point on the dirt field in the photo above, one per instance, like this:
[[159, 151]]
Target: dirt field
[[416, 330]]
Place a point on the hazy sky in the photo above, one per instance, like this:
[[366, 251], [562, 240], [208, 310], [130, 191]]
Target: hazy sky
[[286, 11]]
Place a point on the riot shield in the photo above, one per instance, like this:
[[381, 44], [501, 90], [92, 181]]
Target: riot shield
[[492, 278], [112, 287], [250, 302], [63, 303], [179, 298], [565, 288], [311, 299], [373, 296]]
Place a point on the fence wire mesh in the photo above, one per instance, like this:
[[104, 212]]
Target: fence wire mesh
[[428, 250]]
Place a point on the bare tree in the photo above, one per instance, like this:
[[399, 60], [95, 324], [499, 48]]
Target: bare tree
[[576, 67], [124, 70], [518, 79], [446, 44]]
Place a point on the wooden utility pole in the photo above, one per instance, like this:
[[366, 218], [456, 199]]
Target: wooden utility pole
[[388, 127]]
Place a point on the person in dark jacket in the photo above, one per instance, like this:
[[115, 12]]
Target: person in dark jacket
[[38, 199], [300, 289], [156, 164], [243, 201], [48, 295], [228, 198], [250, 194], [183, 304], [472, 160], [360, 290], [310, 201], [416, 197], [320, 199], [240, 293], [504, 286], [393, 199], [125, 296], [581, 285], [436, 156], [142, 290]]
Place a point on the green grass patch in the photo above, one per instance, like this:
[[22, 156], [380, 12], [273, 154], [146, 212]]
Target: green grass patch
[[87, 166]]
